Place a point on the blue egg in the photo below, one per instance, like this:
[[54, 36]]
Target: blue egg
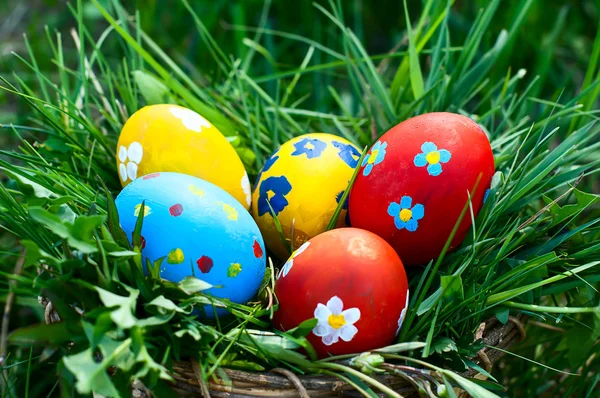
[[198, 230]]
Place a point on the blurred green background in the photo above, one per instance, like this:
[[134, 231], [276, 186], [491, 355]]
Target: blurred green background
[[555, 43]]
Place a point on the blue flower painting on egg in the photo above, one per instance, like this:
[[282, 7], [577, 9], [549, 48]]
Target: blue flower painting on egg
[[197, 229]]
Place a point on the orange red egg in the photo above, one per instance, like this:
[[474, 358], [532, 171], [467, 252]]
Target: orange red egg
[[352, 282], [415, 181]]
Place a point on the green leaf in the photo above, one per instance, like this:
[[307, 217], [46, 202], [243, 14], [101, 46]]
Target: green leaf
[[152, 89], [560, 214], [91, 376], [164, 306], [47, 334], [78, 235], [452, 288], [264, 337], [444, 344], [191, 285], [29, 187], [502, 314], [401, 347], [416, 77], [122, 315], [470, 387], [113, 220], [304, 328]]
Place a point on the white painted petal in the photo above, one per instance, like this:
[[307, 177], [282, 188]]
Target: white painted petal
[[335, 305], [135, 152], [322, 330], [331, 338], [123, 172], [301, 249], [347, 332], [190, 119], [246, 188], [351, 315], [287, 267], [122, 153], [322, 313], [132, 170]]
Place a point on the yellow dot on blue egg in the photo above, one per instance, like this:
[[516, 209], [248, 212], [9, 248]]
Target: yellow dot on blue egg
[[175, 256]]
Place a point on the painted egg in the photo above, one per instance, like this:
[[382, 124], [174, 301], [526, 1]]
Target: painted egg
[[415, 181], [161, 138], [197, 229], [302, 182], [352, 282]]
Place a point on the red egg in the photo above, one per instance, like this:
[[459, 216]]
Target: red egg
[[353, 282], [414, 183]]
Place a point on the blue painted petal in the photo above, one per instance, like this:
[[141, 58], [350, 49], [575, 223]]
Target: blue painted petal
[[348, 153], [394, 209], [278, 203], [280, 187], [263, 207], [406, 202], [412, 225], [434, 169], [428, 147], [399, 223], [485, 196], [319, 147], [380, 156], [365, 159], [445, 155], [418, 212], [384, 145], [367, 169], [420, 160], [270, 162], [376, 146]]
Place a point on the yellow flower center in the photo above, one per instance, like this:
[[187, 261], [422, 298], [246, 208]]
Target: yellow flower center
[[433, 157], [405, 214], [373, 156], [336, 321], [309, 146]]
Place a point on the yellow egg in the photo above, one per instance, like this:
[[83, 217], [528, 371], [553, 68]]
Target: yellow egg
[[302, 183], [161, 138]]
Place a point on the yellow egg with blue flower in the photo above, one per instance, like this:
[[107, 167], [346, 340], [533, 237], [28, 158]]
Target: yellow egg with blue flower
[[301, 185], [171, 138]]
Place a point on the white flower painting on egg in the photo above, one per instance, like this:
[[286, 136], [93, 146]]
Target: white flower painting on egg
[[190, 119], [129, 159], [246, 188], [334, 322]]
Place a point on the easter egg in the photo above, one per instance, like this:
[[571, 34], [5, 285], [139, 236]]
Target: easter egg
[[302, 182], [196, 229], [352, 282], [415, 181], [161, 138]]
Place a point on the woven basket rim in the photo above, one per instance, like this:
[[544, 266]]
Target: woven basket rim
[[282, 383]]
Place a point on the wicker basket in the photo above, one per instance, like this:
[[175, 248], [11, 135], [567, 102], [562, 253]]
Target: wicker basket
[[282, 383]]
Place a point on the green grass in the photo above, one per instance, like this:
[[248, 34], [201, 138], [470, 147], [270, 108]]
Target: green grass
[[533, 249]]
